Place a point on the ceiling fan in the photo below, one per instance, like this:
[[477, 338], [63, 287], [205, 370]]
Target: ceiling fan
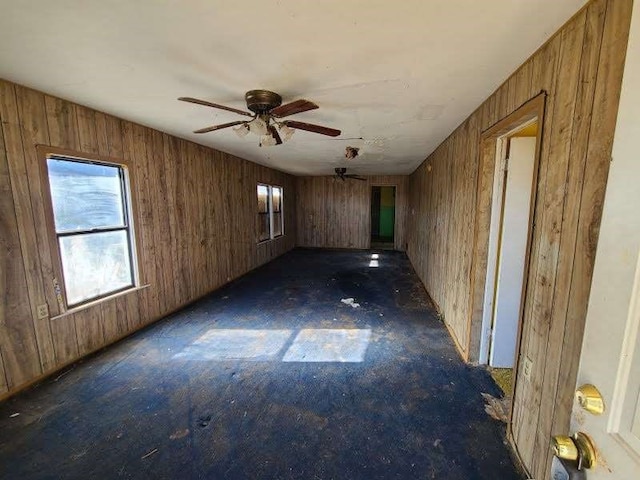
[[342, 174], [265, 120]]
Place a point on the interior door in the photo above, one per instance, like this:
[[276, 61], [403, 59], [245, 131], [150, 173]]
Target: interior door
[[512, 251], [610, 358]]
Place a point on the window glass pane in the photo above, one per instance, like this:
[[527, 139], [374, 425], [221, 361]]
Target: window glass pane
[[263, 227], [276, 199], [263, 213], [85, 195], [277, 224], [263, 198], [95, 264]]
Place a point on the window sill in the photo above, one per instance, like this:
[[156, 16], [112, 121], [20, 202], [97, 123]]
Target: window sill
[[88, 305], [262, 242]]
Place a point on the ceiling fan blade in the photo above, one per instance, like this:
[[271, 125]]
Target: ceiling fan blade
[[356, 177], [296, 106], [275, 134], [218, 127], [214, 105], [309, 127]]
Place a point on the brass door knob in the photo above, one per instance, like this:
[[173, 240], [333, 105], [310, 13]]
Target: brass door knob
[[579, 449], [590, 399], [564, 447]]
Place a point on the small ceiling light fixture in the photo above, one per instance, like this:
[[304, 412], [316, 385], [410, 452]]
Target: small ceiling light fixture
[[351, 152]]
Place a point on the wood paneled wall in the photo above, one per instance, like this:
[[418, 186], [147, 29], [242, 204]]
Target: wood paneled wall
[[336, 214], [194, 214], [580, 68]]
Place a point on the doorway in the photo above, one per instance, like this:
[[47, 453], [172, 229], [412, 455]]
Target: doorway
[[383, 216], [508, 239]]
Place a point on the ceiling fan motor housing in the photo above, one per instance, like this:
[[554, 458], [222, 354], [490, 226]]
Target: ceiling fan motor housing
[[261, 101]]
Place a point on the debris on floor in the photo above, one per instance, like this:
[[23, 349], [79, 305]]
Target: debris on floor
[[204, 421], [64, 373], [179, 434], [350, 301], [155, 450], [497, 408], [14, 415]]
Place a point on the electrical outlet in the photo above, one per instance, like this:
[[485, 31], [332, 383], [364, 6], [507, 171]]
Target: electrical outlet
[[43, 311], [527, 368]]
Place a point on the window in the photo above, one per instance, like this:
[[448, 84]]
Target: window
[[270, 215], [92, 227]]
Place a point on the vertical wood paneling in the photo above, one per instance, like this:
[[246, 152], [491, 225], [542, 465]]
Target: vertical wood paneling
[[121, 316], [574, 184], [22, 358], [170, 152], [542, 286], [134, 319], [13, 305], [336, 214], [580, 69], [183, 271], [90, 329], [194, 215], [114, 137], [109, 321], [63, 126], [102, 135], [87, 131], [33, 122], [4, 387]]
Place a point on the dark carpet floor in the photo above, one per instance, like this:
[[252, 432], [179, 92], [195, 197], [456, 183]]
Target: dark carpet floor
[[271, 377]]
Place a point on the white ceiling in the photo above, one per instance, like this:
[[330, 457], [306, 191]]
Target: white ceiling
[[400, 74]]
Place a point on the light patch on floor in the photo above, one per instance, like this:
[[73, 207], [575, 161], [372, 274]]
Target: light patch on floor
[[351, 302], [504, 379], [329, 345], [229, 344]]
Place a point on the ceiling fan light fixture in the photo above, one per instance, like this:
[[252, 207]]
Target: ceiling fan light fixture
[[242, 130], [266, 122], [257, 126], [286, 132], [267, 140]]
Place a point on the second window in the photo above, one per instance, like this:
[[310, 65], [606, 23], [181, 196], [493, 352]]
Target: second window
[[270, 214]]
